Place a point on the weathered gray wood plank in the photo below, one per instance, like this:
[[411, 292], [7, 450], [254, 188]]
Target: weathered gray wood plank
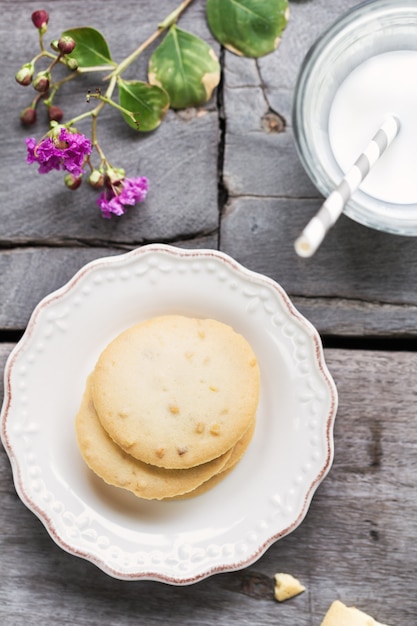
[[29, 274], [252, 88], [356, 318], [332, 303], [357, 543], [358, 263]]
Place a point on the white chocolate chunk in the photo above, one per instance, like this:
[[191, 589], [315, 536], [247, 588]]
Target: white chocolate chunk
[[286, 587], [341, 615]]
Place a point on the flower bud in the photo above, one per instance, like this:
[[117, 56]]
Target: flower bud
[[25, 74], [28, 116], [41, 81], [96, 179], [54, 45], [55, 129], [40, 20], [72, 64], [114, 176], [55, 113], [72, 182], [66, 44]]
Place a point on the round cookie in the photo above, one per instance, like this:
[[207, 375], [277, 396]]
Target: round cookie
[[118, 468], [176, 391]]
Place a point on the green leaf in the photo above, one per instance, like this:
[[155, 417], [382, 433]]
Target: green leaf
[[186, 67], [91, 48], [250, 28], [148, 103]]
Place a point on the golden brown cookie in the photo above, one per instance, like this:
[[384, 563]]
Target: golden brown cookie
[[118, 468], [176, 391]]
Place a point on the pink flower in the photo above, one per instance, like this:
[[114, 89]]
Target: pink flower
[[65, 151], [126, 193]]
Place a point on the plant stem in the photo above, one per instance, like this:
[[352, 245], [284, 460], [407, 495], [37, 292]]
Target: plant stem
[[166, 23], [95, 68], [41, 44], [173, 17], [57, 85], [94, 113], [35, 101], [95, 142], [112, 77]]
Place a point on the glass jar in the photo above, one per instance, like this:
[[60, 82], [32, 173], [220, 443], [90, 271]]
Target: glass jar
[[372, 28]]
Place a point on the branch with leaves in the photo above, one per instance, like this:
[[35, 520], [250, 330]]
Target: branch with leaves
[[183, 72]]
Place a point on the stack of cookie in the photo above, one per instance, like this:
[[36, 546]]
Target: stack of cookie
[[170, 407]]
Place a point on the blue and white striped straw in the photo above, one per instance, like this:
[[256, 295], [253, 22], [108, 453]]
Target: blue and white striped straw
[[315, 231]]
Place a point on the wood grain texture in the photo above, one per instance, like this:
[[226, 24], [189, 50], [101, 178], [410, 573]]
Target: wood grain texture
[[362, 285], [357, 542], [179, 159], [225, 176], [271, 199], [28, 274], [245, 140]]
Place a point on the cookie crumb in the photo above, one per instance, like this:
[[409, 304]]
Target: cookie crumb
[[160, 452], [215, 429], [173, 408]]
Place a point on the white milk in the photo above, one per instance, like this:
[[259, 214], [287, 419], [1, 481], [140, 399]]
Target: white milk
[[384, 84]]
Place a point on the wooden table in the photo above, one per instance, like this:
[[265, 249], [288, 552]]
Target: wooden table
[[225, 177]]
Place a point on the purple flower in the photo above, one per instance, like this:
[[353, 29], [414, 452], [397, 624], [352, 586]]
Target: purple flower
[[65, 151], [127, 193]]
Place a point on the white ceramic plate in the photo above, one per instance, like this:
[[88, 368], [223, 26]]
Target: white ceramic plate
[[264, 498]]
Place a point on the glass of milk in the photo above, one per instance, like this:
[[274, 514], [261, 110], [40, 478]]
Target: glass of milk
[[363, 68]]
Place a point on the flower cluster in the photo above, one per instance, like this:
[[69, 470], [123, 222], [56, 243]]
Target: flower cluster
[[63, 147], [115, 199]]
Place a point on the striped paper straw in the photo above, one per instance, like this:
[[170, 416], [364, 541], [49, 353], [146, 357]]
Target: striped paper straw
[[331, 209]]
